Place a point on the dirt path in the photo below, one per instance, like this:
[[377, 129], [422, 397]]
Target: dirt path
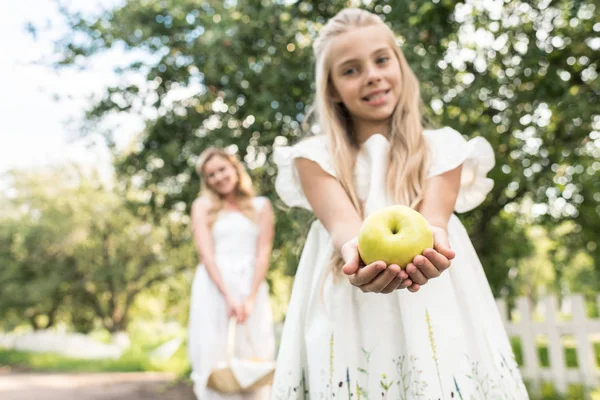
[[104, 386]]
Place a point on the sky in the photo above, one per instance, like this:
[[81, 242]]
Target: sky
[[35, 131]]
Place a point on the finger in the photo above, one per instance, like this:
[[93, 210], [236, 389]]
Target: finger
[[393, 285], [403, 274], [414, 287], [406, 283], [367, 274], [426, 267], [415, 274], [351, 267], [382, 280], [442, 244], [437, 259]]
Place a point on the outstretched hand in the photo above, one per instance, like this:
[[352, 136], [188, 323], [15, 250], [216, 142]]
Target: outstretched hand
[[432, 262], [377, 277]]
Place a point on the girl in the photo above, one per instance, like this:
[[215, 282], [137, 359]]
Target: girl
[[440, 339], [233, 232]]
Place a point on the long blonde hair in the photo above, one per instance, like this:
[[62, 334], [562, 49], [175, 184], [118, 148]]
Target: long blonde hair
[[244, 192], [408, 156]]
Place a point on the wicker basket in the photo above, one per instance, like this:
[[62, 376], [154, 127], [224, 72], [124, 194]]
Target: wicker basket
[[223, 379]]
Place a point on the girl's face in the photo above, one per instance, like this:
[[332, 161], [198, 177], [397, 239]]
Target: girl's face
[[365, 73], [220, 175]]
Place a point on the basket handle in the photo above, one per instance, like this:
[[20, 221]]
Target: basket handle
[[231, 331], [231, 338]]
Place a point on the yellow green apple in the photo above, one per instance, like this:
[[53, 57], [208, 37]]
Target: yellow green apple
[[395, 235]]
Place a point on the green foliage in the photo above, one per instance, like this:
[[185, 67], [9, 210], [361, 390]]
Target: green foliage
[[73, 252], [239, 73]]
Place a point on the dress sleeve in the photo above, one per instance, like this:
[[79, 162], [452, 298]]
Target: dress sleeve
[[449, 150], [287, 183], [259, 203]]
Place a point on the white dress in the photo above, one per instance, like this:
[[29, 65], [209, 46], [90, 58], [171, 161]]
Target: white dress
[[446, 341], [235, 240]]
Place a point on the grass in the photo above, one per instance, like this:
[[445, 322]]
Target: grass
[[134, 359], [548, 392], [56, 363]]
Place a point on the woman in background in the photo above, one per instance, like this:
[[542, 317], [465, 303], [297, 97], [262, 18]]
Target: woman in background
[[233, 232]]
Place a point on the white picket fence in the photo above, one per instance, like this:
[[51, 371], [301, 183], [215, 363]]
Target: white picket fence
[[578, 330]]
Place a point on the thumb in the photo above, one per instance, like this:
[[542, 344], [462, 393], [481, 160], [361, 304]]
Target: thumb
[[442, 244], [351, 266]]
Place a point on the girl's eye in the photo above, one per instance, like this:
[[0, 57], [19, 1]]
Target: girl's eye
[[382, 60], [349, 71]]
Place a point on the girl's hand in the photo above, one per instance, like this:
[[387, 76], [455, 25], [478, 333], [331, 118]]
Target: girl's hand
[[376, 277], [246, 309], [434, 261], [233, 308]]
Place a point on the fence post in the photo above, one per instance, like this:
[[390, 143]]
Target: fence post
[[555, 346], [531, 368], [585, 350]]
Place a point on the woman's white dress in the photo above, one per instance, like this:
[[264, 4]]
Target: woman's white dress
[[446, 341], [235, 240]]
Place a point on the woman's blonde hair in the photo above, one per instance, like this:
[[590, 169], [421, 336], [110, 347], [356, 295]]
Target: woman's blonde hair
[[244, 192], [408, 154]]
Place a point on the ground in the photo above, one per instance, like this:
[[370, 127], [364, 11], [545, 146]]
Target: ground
[[21, 385]]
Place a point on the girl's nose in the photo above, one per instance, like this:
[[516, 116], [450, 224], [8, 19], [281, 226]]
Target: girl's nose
[[373, 75]]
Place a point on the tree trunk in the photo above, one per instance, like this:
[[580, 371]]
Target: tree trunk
[[33, 321], [119, 320], [52, 312]]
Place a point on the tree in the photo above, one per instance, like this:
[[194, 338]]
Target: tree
[[238, 73], [74, 251]]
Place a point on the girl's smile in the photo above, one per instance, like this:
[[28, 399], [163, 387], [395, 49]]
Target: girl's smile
[[377, 97]]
